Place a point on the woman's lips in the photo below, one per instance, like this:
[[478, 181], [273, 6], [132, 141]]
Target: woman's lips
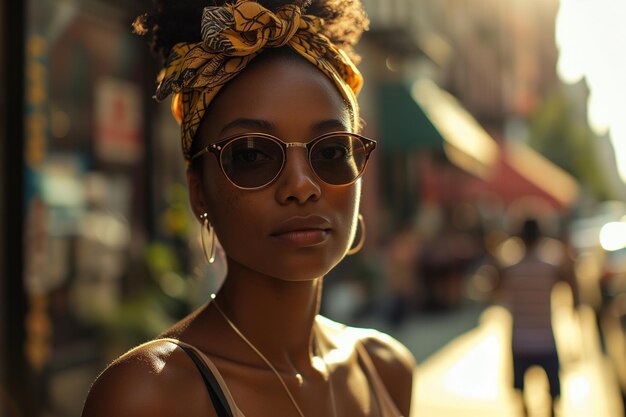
[[304, 238], [304, 231]]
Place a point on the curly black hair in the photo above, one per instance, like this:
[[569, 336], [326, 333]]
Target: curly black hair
[[174, 21]]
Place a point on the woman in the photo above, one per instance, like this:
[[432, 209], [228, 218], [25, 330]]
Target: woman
[[266, 100]]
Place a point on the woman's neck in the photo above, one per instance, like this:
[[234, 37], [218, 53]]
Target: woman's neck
[[276, 316]]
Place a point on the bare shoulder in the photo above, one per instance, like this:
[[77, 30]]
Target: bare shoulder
[[393, 361], [387, 352], [155, 379]]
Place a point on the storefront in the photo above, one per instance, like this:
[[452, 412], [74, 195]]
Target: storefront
[[96, 240], [468, 164]]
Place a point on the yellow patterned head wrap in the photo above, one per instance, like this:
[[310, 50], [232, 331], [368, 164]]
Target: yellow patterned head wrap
[[233, 35]]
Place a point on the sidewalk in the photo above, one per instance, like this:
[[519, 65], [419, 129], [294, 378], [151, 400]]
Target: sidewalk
[[426, 333], [465, 370]]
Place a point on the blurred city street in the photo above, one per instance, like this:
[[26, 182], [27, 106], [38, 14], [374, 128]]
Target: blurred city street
[[494, 203], [465, 366]]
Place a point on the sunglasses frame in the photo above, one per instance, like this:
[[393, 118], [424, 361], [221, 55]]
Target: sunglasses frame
[[216, 149]]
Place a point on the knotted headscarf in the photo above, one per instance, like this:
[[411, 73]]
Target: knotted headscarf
[[233, 35]]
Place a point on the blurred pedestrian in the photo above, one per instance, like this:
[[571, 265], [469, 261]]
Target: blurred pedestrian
[[526, 288]]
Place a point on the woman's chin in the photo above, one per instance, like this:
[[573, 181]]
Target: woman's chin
[[300, 273], [301, 264]]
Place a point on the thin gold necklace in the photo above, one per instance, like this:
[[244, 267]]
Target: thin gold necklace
[[269, 364]]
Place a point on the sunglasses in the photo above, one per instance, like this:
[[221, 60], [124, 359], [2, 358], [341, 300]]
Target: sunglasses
[[254, 160]]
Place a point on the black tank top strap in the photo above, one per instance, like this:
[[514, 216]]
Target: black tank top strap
[[217, 396], [218, 399]]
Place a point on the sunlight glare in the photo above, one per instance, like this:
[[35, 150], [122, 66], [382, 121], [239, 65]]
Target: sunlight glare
[[578, 388], [618, 135], [511, 251], [613, 236], [599, 111], [591, 38], [462, 378], [571, 65]]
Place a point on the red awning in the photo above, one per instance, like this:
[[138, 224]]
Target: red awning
[[522, 175], [506, 171]]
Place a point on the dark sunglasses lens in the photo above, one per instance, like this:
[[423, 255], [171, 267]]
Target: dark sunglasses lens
[[339, 159], [252, 161]]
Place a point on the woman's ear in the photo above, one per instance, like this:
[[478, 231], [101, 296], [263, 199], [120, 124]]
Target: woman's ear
[[196, 193]]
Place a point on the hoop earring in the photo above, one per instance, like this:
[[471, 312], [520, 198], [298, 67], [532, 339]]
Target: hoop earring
[[206, 225], [359, 245]]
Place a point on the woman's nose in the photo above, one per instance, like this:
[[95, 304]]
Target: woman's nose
[[297, 182]]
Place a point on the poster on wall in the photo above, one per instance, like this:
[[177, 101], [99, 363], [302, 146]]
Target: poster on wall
[[119, 121]]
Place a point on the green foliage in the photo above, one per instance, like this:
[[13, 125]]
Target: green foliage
[[565, 138]]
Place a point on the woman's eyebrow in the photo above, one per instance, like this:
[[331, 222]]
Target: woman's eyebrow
[[252, 124], [329, 125], [267, 126]]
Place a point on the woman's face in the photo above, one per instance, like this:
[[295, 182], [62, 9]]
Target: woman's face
[[298, 227]]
